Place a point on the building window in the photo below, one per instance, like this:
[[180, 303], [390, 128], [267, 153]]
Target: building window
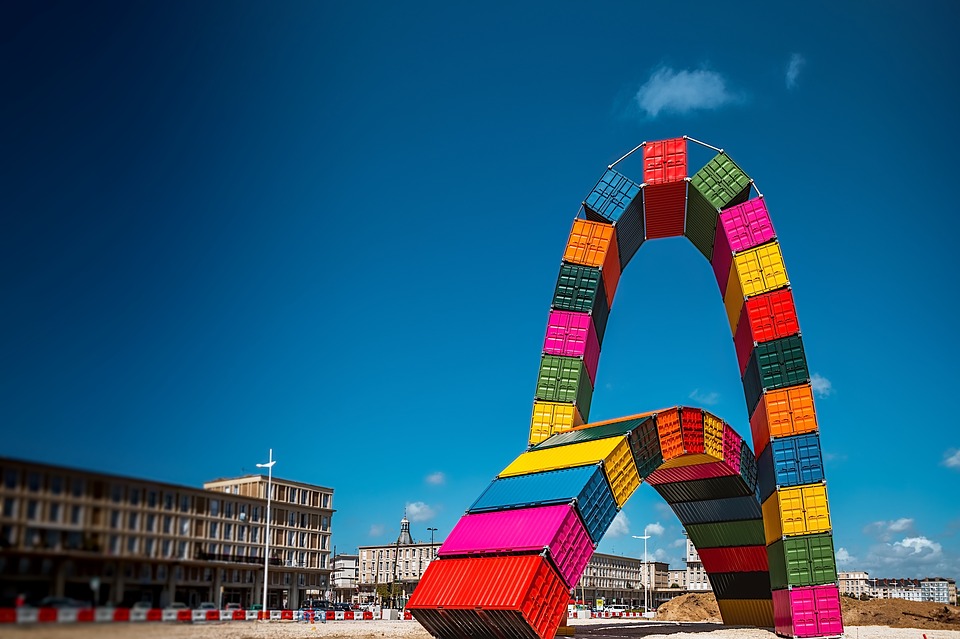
[[9, 507], [167, 501], [228, 509], [326, 500], [135, 496], [167, 521], [214, 507], [184, 503], [114, 518], [148, 546], [116, 493], [254, 534], [10, 478], [77, 486], [75, 513], [292, 519], [166, 547], [56, 484], [325, 523], [256, 514], [131, 544], [152, 498], [55, 512], [151, 522], [33, 482], [32, 509], [213, 529], [161, 572], [133, 520], [182, 550]]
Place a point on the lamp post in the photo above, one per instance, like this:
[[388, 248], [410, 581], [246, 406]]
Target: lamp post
[[646, 588], [432, 530], [266, 537]]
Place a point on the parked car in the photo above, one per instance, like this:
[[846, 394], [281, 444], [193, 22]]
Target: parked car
[[316, 604], [177, 605], [207, 605], [142, 605], [233, 606], [62, 602]]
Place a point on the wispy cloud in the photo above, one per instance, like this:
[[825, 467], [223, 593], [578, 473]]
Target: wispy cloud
[[844, 557], [419, 511], [437, 479], [375, 530], [951, 459], [683, 91], [793, 69], [822, 386], [620, 526], [708, 399], [655, 529], [886, 530]]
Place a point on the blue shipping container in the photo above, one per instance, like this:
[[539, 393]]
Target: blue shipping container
[[619, 200], [586, 485], [790, 461]]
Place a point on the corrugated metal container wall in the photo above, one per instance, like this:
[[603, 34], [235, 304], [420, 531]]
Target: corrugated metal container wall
[[671, 437], [704, 512], [537, 460], [722, 258], [619, 200], [690, 473], [743, 341], [700, 489], [808, 560], [550, 418], [579, 289], [722, 182], [595, 244], [733, 299], [622, 472], [774, 365], [807, 612], [691, 420], [725, 534], [664, 208], [525, 530], [665, 161], [712, 435], [732, 445], [517, 596], [734, 559], [747, 225], [648, 454], [746, 612], [788, 412], [592, 432], [772, 315], [790, 461], [687, 459], [740, 585], [565, 379], [772, 526], [804, 510], [572, 335], [701, 222], [748, 466], [761, 269]]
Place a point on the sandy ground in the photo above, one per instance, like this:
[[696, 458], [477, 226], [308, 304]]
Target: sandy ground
[[593, 628]]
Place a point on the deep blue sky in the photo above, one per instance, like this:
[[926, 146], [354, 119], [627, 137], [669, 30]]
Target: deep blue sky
[[334, 229]]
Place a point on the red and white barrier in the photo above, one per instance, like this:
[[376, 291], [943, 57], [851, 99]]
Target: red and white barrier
[[29, 615]]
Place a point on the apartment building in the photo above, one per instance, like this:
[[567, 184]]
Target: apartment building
[[935, 589], [110, 539], [388, 573], [696, 577]]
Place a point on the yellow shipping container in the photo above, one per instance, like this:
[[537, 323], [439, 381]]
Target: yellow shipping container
[[803, 510], [772, 530], [614, 452], [733, 300], [761, 269], [550, 418], [746, 612], [712, 435]]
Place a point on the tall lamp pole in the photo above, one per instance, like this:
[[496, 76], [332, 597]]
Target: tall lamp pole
[[266, 537], [644, 537], [432, 530]]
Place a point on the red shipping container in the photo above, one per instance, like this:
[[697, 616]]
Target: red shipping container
[[665, 161], [769, 316], [500, 596], [664, 209], [810, 611], [734, 559], [692, 421], [690, 473]]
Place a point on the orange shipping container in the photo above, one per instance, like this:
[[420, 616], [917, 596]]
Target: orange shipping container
[[781, 413], [595, 244]]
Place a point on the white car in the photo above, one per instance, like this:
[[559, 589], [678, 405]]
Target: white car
[[616, 609]]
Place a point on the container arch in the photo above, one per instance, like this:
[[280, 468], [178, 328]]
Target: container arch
[[760, 519]]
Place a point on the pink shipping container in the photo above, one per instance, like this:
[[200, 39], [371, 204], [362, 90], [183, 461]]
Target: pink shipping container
[[689, 473], [732, 442], [747, 225], [525, 530], [722, 259], [810, 611], [573, 335]]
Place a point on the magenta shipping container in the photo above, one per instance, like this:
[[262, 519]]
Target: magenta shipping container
[[732, 442], [525, 530], [573, 335], [810, 611], [690, 473], [747, 225]]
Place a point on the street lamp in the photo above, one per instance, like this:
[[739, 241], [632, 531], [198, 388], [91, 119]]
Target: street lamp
[[432, 530], [266, 537], [644, 537]]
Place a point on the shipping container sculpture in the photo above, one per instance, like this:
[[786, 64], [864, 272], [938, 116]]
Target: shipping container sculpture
[[759, 519]]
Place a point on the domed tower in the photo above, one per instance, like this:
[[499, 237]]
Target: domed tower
[[404, 538]]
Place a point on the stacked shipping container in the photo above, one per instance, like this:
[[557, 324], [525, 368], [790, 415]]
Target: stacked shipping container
[[771, 563]]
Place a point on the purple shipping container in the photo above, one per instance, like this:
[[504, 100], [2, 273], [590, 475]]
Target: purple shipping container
[[573, 335], [525, 530], [732, 442], [690, 473], [747, 225], [811, 611]]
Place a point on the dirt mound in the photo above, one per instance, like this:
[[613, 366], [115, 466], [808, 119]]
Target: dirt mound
[[894, 613]]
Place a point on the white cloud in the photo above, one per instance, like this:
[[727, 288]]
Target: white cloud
[[918, 546], [682, 91], [375, 530], [679, 543], [708, 399], [884, 530], [437, 478], [419, 511], [913, 557], [844, 557], [899, 525], [821, 385], [620, 526], [951, 459], [793, 69], [655, 529]]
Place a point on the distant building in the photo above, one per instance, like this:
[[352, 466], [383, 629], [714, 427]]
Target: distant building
[[113, 539], [388, 573], [933, 589], [696, 576], [345, 579], [854, 584]]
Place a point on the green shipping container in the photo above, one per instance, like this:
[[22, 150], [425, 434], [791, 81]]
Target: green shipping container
[[722, 182], [701, 224], [807, 560], [565, 379], [580, 289], [726, 534], [614, 429]]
